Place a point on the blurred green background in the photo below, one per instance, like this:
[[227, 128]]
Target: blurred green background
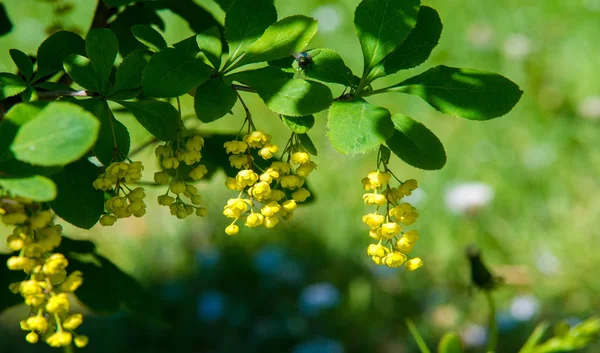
[[524, 188]]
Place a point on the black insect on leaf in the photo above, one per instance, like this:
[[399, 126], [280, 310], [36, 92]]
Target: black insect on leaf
[[481, 277]]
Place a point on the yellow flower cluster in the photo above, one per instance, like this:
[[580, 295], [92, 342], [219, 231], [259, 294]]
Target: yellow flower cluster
[[173, 157], [46, 288], [274, 193], [394, 243], [115, 179]]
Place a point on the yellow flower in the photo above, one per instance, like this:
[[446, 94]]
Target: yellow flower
[[411, 236], [269, 175], [291, 181], [270, 209], [277, 195], [15, 242], [177, 187], [261, 191], [246, 177], [73, 281], [395, 259], [165, 200], [195, 143], [378, 179], [60, 339], [301, 195], [393, 195], [232, 184], [268, 151], [290, 205], [408, 187], [240, 161], [254, 220], [414, 264], [163, 151], [281, 167], [14, 218], [81, 341], [20, 263], [257, 139], [305, 169], [162, 178], [107, 220], [58, 304], [388, 230], [191, 157], [199, 172], [73, 321], [232, 229], [377, 250], [30, 287], [235, 147], [40, 220], [201, 212], [54, 264], [373, 220], [374, 199], [375, 234], [300, 158], [37, 323], [271, 222], [404, 245], [32, 337]]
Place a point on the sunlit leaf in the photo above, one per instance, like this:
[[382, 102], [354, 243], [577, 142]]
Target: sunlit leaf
[[37, 188], [11, 85], [81, 71], [23, 63]]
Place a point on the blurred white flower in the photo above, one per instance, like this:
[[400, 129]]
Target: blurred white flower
[[539, 156], [474, 335], [517, 46], [547, 263], [589, 108], [480, 35], [468, 197], [329, 18], [524, 307]]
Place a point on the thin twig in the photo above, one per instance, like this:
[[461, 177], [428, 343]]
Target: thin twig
[[56, 94], [243, 88]]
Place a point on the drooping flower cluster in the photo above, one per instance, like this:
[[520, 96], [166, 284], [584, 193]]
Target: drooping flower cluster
[[180, 160], [394, 242], [125, 202], [265, 195], [47, 285]]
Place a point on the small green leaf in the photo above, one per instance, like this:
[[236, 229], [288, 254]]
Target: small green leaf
[[161, 119], [415, 144], [188, 46], [16, 117], [299, 124], [37, 188], [81, 71], [416, 48], [358, 126], [112, 132], [171, 73], [102, 47], [54, 50], [245, 22], [149, 37], [285, 96], [327, 66], [469, 94], [535, 337], [78, 202], [284, 37], [61, 133], [381, 25], [11, 85], [129, 73], [307, 143], [210, 45], [450, 343], [23, 63], [213, 99]]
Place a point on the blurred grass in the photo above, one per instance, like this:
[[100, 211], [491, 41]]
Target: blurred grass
[[542, 161]]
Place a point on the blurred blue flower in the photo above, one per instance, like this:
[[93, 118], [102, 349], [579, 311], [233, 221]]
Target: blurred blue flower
[[208, 258], [210, 306], [317, 297], [269, 259], [474, 335], [524, 307], [506, 322], [319, 345]]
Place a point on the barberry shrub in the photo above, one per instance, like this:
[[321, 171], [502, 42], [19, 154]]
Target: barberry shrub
[[63, 153]]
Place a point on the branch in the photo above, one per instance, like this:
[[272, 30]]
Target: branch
[[56, 94], [101, 15]]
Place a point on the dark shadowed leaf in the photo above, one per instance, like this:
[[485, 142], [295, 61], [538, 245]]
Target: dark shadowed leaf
[[55, 49], [307, 144], [161, 119], [23, 63], [133, 15], [81, 71], [213, 99], [129, 73], [8, 298], [102, 47], [149, 37]]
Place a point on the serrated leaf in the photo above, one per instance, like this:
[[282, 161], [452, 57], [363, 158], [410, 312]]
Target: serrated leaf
[[412, 142], [78, 202], [358, 126], [210, 45], [213, 99], [416, 48], [327, 66], [81, 71], [284, 37], [450, 343], [171, 73], [129, 73], [55, 49], [381, 25], [307, 143], [161, 119], [149, 37], [102, 47], [299, 124], [23, 63], [37, 188], [112, 132], [11, 85], [61, 133], [285, 96], [245, 22], [465, 93]]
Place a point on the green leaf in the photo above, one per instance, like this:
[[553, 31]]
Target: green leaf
[[54, 50], [78, 202], [245, 22], [327, 66], [534, 338], [466, 93], [284, 37], [188, 46], [416, 48], [129, 17], [161, 119], [171, 73], [414, 332], [285, 96], [450, 343], [415, 144], [358, 126], [299, 124], [381, 25], [112, 132], [11, 85], [210, 44], [102, 47], [61, 133], [81, 71], [129, 73], [23, 63], [16, 117], [149, 37], [5, 27], [37, 188], [213, 99], [307, 143], [117, 3]]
